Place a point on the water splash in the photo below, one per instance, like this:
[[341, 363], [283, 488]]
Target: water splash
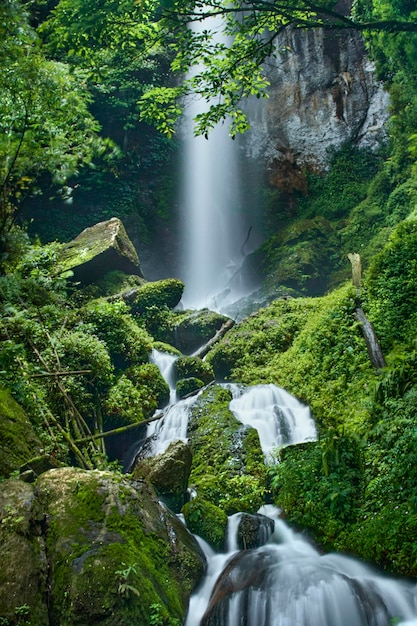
[[279, 417], [287, 582]]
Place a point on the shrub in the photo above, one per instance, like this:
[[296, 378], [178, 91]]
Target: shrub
[[158, 294], [128, 344]]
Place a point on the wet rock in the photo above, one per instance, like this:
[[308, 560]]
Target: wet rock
[[168, 473], [98, 250], [114, 550], [254, 530], [323, 93], [188, 386], [193, 367]]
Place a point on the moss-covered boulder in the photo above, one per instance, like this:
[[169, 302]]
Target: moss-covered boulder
[[298, 257], [23, 571], [187, 386], [193, 367], [18, 441], [100, 249], [114, 552], [228, 465], [206, 520], [168, 473], [161, 293], [192, 329]]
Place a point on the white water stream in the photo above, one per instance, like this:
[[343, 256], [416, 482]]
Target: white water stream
[[211, 207], [285, 582]]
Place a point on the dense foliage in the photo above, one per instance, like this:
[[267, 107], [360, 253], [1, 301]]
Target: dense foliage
[[78, 361]]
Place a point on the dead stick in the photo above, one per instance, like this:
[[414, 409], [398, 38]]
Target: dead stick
[[122, 429], [70, 373]]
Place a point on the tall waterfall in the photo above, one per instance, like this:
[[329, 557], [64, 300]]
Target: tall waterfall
[[211, 226]]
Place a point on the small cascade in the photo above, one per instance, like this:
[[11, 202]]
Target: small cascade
[[287, 582], [171, 427], [166, 365], [279, 417]]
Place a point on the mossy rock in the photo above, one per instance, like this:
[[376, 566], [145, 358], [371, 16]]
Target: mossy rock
[[149, 378], [193, 367], [207, 521], [299, 257], [192, 329], [18, 441], [98, 250], [168, 473], [24, 571], [187, 386], [114, 550], [161, 293], [228, 464]]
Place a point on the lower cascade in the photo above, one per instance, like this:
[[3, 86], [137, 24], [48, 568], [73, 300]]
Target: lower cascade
[[286, 582], [283, 580]]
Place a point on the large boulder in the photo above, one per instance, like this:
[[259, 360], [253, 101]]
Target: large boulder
[[92, 547], [23, 572], [168, 473], [98, 250], [18, 441]]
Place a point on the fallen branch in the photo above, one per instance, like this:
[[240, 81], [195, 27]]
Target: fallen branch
[[121, 429], [220, 333], [70, 373]]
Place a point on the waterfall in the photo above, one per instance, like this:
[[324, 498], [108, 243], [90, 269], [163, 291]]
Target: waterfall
[[279, 417], [212, 228]]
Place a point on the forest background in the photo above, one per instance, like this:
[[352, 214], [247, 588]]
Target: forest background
[[76, 148]]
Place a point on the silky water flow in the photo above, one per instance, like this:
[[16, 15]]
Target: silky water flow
[[285, 581]]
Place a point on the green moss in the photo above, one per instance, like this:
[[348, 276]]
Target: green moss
[[111, 322], [206, 520], [188, 386], [18, 441], [228, 468], [148, 378], [110, 552], [313, 347], [158, 294], [193, 367]]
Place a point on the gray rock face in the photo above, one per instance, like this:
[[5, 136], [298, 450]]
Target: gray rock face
[[323, 93], [99, 249]]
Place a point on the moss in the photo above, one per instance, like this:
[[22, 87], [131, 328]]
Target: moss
[[158, 294], [18, 441], [192, 329], [113, 550], [128, 343], [188, 386], [207, 521], [228, 467], [193, 367], [148, 378], [313, 347]]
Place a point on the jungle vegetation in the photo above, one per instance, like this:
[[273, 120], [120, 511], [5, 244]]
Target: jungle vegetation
[[80, 82]]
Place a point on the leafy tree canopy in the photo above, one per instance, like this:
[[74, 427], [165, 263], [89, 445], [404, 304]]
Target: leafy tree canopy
[[221, 45], [45, 125]]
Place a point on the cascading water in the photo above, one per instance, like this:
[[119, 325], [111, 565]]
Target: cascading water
[[212, 227], [279, 417], [173, 425], [284, 581], [288, 583]]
